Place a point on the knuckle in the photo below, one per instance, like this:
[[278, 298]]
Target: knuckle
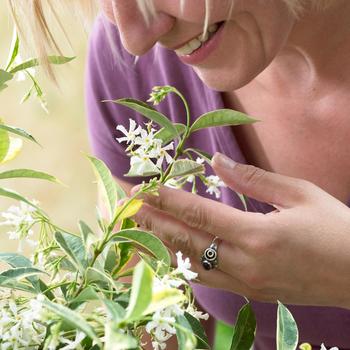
[[196, 217], [180, 241], [252, 175]]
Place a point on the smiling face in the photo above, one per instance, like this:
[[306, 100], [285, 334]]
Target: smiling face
[[245, 41]]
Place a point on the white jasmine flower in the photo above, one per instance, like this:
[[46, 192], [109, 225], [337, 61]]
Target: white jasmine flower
[[324, 348], [183, 267], [130, 134], [158, 346], [141, 163], [213, 183], [73, 345], [161, 325], [146, 139], [197, 314], [161, 152]]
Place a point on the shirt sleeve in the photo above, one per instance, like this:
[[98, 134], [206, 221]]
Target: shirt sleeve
[[110, 74]]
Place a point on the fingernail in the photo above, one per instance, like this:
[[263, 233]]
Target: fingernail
[[223, 161]]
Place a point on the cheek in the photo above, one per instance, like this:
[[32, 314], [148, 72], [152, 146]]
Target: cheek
[[107, 9], [252, 39]]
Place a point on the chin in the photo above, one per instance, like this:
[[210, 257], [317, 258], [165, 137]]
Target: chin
[[225, 81]]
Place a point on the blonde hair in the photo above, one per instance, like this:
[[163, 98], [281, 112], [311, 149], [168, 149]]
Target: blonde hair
[[36, 11]]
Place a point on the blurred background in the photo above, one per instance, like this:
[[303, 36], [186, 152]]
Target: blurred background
[[62, 133]]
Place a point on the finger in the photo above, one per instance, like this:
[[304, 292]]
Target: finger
[[191, 242], [216, 218], [279, 190]]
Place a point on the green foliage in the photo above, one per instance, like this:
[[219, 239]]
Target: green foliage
[[17, 131], [183, 167], [244, 331], [145, 240], [28, 173], [186, 339], [287, 334], [14, 195], [202, 339], [150, 113], [166, 136]]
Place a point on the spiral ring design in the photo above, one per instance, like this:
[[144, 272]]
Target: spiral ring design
[[209, 258]]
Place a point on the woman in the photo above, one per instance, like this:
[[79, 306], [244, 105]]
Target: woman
[[287, 64]]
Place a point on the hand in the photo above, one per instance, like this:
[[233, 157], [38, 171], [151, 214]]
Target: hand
[[298, 254]]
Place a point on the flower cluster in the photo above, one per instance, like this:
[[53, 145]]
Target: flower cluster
[[144, 147], [20, 323], [21, 218], [158, 94], [162, 326]]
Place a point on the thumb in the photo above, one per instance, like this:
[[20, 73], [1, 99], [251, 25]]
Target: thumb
[[278, 190]]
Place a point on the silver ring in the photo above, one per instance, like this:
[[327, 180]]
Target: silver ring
[[209, 257]]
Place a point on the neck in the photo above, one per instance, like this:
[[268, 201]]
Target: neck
[[317, 50]]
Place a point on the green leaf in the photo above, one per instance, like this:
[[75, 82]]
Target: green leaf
[[149, 112], [184, 167], [164, 298], [18, 131], [14, 195], [111, 260], [13, 284], [35, 62], [86, 294], [146, 240], [14, 50], [73, 246], [206, 156], [287, 334], [141, 292], [87, 235], [198, 331], [4, 77], [125, 252], [185, 338], [148, 169], [16, 260], [101, 278], [4, 143], [108, 184], [28, 173], [166, 136], [74, 319], [245, 327], [115, 310], [221, 117], [115, 340], [17, 273]]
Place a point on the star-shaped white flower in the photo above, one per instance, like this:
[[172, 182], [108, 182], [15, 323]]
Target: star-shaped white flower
[[213, 183], [324, 348], [184, 266], [131, 134]]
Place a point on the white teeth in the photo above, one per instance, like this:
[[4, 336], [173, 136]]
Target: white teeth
[[196, 43], [213, 28]]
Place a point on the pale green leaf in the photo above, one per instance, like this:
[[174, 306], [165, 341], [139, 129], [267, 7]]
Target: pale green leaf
[[16, 285], [184, 167], [164, 298], [185, 337], [18, 273], [73, 246], [14, 148], [148, 169], [221, 117], [115, 310], [147, 241], [287, 334], [14, 49], [149, 112], [108, 184], [17, 131], [206, 156], [116, 340], [14, 195], [245, 327], [35, 62], [4, 77], [87, 235], [166, 136], [4, 142], [73, 318], [141, 292], [28, 173]]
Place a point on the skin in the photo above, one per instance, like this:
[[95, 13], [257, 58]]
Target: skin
[[275, 67]]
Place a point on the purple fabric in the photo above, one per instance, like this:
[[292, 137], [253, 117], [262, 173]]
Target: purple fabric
[[109, 77]]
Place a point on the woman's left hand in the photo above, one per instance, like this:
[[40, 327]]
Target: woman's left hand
[[298, 254]]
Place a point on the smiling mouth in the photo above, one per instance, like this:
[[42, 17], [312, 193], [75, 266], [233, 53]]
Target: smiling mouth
[[195, 43]]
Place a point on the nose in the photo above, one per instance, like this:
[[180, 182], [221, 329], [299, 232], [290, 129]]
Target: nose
[[139, 35]]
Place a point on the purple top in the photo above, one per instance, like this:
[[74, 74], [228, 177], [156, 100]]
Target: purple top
[[111, 77]]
